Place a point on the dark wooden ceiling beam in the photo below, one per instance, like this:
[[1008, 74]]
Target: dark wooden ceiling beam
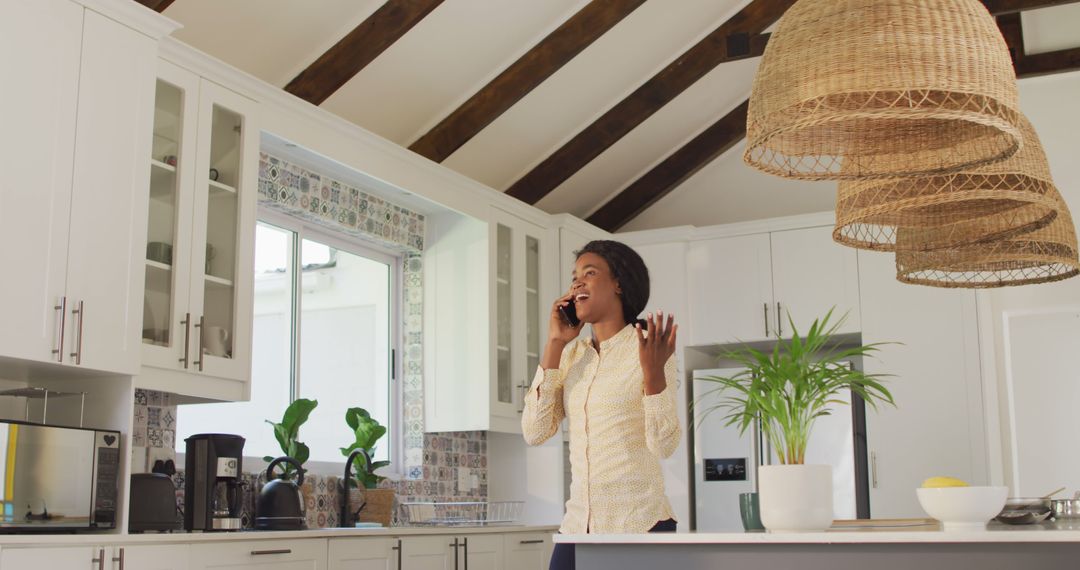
[[673, 171], [1047, 63], [521, 77], [645, 100], [1013, 32], [999, 7], [359, 48], [156, 5]]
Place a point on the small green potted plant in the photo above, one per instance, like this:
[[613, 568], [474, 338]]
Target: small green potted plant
[[287, 433], [367, 502], [786, 391]]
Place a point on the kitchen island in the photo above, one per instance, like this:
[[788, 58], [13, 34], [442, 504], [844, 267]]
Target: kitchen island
[[877, 547]]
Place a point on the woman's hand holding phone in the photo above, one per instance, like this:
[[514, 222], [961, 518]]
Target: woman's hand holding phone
[[560, 332]]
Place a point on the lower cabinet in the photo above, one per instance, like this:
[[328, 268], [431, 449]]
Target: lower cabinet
[[527, 551], [164, 557], [309, 554], [480, 552], [73, 558], [364, 554], [477, 551]]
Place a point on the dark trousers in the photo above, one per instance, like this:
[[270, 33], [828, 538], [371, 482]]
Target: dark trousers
[[563, 556]]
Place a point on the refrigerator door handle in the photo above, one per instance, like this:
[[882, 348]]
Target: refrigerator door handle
[[873, 469]]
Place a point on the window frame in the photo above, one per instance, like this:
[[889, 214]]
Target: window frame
[[302, 230]]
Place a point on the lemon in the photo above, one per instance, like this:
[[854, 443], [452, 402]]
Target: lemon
[[936, 482]]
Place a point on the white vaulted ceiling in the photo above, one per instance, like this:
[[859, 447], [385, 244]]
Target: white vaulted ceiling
[[461, 45]]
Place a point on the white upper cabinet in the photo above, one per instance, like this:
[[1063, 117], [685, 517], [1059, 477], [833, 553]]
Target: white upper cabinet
[[521, 300], [199, 245], [486, 320], [730, 289], [812, 274], [37, 121], [108, 213], [936, 427], [71, 208], [742, 288]]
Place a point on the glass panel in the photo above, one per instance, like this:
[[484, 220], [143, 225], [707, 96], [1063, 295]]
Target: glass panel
[[344, 345], [532, 322], [505, 391], [221, 224], [502, 253], [271, 362], [502, 308], [161, 226], [532, 263]]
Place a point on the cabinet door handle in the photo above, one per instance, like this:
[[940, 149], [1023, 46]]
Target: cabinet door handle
[[398, 549], [198, 345], [266, 552], [455, 546], [187, 338], [779, 322], [766, 307], [537, 541], [466, 539], [81, 311], [120, 559], [100, 559], [59, 350], [873, 469]]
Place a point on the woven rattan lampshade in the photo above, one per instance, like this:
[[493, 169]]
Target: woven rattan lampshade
[[882, 88], [977, 205], [1045, 255]]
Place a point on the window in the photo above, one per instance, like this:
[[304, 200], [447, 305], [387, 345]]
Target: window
[[325, 323]]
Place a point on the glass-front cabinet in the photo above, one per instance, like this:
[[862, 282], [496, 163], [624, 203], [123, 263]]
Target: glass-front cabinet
[[200, 236], [520, 310]]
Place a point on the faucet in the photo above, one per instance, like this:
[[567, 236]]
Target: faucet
[[345, 483]]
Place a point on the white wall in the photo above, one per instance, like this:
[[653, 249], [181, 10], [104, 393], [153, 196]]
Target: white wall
[[1050, 103]]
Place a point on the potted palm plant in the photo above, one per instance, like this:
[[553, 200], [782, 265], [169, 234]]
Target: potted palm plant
[[366, 502], [787, 390]]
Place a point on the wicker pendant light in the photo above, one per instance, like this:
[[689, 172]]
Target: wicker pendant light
[[853, 89], [1045, 255], [978, 205]]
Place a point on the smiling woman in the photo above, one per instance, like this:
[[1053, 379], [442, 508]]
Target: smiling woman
[[617, 390]]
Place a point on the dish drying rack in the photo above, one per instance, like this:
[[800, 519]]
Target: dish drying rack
[[461, 513]]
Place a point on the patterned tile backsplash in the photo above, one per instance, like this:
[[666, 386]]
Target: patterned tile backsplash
[[312, 196], [451, 462]]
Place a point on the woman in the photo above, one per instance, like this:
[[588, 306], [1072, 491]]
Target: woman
[[618, 391]]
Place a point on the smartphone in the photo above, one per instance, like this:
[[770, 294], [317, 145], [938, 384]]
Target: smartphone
[[569, 314]]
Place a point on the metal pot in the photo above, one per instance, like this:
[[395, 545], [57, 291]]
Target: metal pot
[[1067, 509]]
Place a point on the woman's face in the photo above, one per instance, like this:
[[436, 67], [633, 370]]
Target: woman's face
[[595, 290]]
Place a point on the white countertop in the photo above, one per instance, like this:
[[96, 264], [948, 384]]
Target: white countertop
[[899, 533], [89, 538]]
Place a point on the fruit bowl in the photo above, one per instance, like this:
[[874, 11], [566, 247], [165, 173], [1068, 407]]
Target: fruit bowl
[[959, 508]]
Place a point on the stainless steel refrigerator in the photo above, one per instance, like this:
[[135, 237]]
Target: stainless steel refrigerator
[[725, 462]]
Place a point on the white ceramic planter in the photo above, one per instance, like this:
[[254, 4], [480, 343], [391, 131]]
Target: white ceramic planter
[[796, 498]]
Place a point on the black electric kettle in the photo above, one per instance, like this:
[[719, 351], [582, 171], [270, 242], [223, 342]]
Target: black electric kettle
[[280, 505]]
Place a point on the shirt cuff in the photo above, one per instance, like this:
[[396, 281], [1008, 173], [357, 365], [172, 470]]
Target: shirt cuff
[[550, 378], [658, 404]]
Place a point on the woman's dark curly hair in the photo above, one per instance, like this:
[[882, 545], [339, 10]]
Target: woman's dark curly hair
[[628, 269]]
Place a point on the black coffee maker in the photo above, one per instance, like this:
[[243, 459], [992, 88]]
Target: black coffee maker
[[212, 485]]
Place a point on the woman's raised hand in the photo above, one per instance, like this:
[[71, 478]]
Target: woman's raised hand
[[655, 346]]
